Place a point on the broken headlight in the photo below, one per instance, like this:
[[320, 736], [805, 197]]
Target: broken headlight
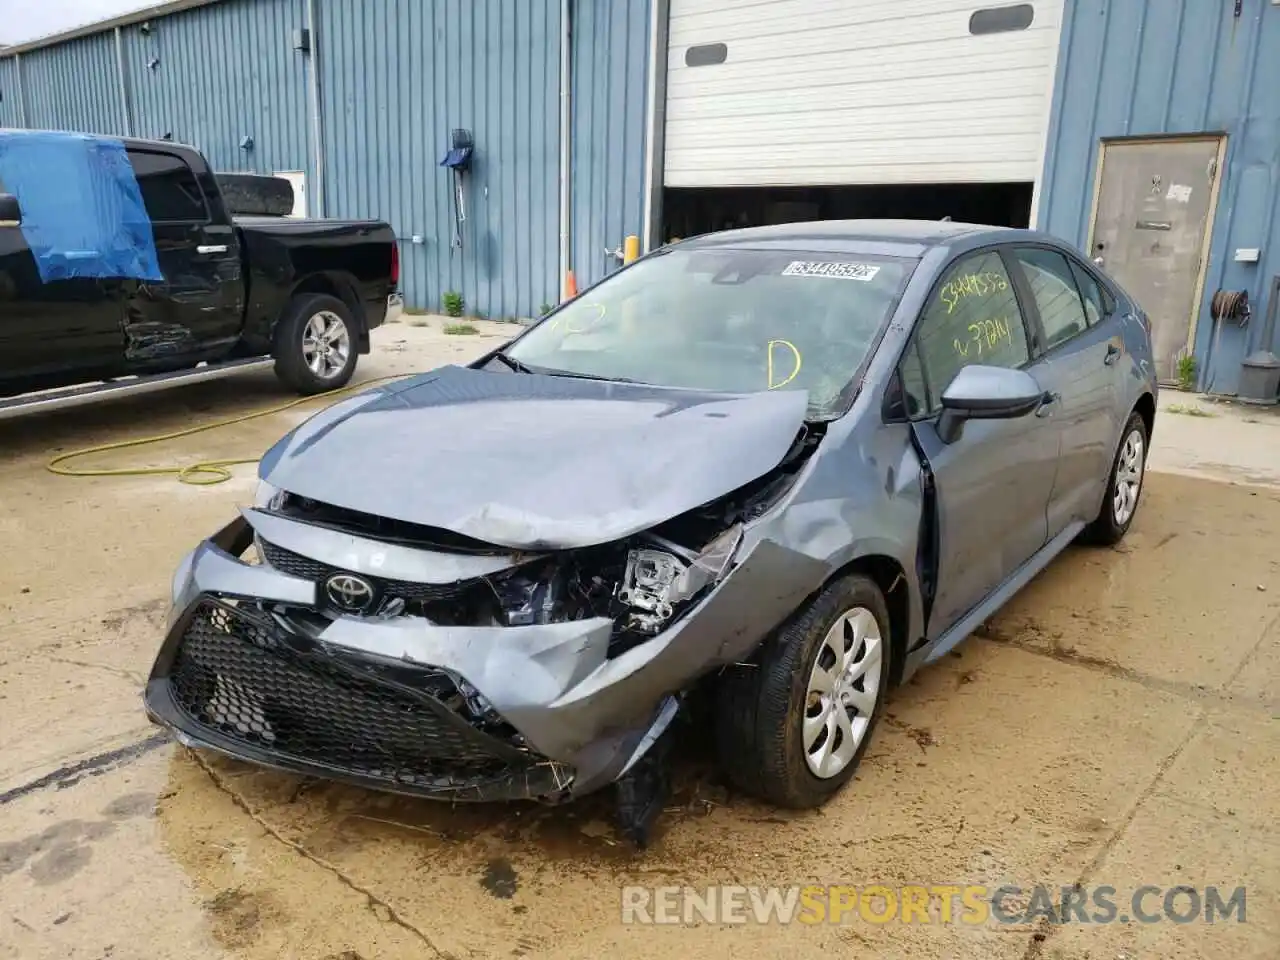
[[660, 578], [267, 497], [641, 584]]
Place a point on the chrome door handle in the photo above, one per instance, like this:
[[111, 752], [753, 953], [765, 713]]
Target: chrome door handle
[[212, 248], [1046, 404], [1113, 354]]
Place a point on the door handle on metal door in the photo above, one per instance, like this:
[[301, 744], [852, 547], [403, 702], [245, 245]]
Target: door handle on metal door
[[1113, 354], [1047, 403], [205, 250]]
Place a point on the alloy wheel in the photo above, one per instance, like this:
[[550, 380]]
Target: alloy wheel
[[1129, 470], [326, 344], [844, 687]]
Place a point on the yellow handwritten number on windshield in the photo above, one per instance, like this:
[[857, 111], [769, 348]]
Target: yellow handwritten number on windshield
[[795, 358]]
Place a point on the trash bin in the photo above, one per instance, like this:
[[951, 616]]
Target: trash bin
[[1259, 377], [1260, 371]]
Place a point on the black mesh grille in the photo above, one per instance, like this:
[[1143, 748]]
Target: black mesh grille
[[294, 564], [236, 676]]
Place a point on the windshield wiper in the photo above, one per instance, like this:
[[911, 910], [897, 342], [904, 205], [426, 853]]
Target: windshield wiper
[[511, 362], [519, 366], [552, 372]]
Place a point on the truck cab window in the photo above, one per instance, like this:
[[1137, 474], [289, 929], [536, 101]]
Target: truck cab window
[[170, 190]]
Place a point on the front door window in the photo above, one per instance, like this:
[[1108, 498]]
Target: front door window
[[971, 317]]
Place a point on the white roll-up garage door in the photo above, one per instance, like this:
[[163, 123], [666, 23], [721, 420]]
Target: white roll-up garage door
[[793, 92]]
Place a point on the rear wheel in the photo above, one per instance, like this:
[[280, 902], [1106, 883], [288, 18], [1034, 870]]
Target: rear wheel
[[792, 728], [1124, 487], [315, 344]]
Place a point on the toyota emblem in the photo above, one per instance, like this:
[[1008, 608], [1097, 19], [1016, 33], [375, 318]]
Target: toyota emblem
[[348, 592]]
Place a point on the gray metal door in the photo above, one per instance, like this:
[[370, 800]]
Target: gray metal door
[[1154, 205]]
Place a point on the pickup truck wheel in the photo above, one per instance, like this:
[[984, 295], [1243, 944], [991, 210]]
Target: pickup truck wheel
[[315, 344]]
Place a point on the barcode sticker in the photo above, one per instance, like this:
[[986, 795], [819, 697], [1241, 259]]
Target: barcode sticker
[[835, 270]]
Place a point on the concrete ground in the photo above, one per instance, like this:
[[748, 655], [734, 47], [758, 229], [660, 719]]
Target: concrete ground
[[1117, 724]]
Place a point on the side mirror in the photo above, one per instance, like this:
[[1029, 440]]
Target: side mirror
[[987, 393], [10, 212]]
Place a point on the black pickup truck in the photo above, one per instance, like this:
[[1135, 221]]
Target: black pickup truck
[[182, 283]]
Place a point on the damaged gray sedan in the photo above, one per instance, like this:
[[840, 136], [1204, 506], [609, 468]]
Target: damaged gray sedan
[[791, 463]]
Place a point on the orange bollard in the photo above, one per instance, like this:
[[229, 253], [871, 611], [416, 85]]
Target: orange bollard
[[570, 286]]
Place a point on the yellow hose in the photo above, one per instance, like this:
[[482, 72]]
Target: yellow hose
[[204, 473]]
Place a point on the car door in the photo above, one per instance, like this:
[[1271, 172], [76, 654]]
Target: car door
[[1078, 366], [993, 483], [196, 312]]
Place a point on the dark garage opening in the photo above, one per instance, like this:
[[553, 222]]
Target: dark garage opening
[[689, 211]]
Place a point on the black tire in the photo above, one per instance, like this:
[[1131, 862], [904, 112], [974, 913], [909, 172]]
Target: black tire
[[761, 706], [1106, 529], [292, 365]]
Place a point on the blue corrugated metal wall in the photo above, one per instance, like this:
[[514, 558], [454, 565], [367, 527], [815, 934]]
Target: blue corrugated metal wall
[[397, 76], [208, 77], [221, 73], [610, 70], [1146, 67], [63, 90], [10, 109]]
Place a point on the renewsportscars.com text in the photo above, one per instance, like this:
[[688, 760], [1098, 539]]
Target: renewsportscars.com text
[[932, 904]]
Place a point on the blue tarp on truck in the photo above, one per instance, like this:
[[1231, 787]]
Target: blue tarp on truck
[[82, 210]]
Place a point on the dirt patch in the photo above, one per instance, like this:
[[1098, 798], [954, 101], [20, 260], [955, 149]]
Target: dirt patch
[[500, 879], [237, 916]]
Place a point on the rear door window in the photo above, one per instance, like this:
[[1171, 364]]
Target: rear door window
[[170, 190], [1053, 285], [1097, 303]]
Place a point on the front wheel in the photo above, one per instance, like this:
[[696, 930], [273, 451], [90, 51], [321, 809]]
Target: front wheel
[[315, 344], [792, 728], [1124, 487]]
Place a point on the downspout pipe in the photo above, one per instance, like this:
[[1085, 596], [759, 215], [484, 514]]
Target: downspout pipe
[[22, 90], [566, 137], [655, 123], [317, 118], [122, 79]]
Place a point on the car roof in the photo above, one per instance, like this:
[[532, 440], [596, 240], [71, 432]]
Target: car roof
[[907, 238]]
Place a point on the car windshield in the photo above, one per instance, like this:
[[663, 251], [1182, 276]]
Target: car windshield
[[733, 320]]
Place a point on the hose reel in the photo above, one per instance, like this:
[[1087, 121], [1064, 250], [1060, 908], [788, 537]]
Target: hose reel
[[1227, 306], [1231, 306]]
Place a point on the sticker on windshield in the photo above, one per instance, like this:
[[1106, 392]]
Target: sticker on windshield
[[837, 270]]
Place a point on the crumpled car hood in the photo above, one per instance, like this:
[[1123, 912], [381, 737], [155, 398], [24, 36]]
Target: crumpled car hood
[[533, 462]]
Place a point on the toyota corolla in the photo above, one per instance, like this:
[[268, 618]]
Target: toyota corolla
[[792, 464]]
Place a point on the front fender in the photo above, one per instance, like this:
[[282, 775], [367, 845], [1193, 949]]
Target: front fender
[[859, 500]]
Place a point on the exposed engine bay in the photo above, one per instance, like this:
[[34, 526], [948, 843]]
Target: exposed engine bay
[[642, 583]]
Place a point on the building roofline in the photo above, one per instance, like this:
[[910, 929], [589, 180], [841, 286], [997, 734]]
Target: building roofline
[[103, 26]]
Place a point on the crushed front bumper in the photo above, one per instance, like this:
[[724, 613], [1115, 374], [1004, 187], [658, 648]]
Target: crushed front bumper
[[375, 701]]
